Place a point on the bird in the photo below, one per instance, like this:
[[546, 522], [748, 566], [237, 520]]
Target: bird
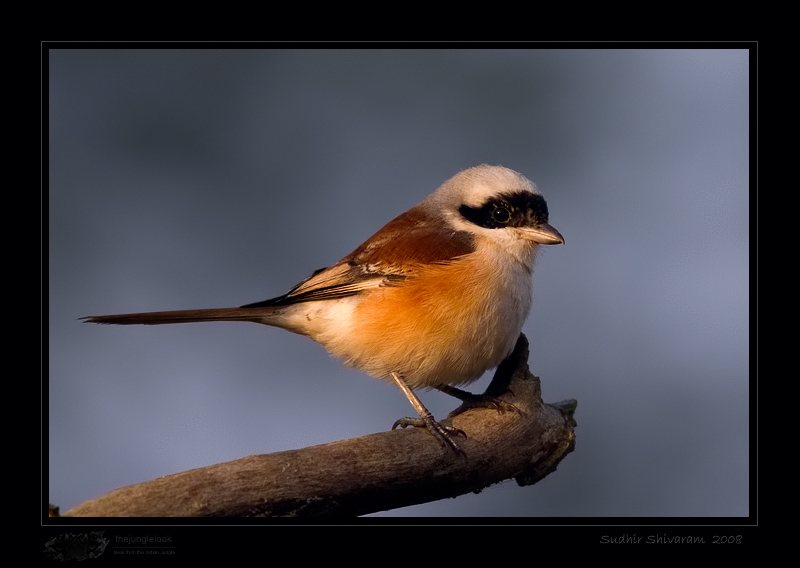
[[432, 300]]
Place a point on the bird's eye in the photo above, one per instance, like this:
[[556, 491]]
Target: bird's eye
[[501, 214]]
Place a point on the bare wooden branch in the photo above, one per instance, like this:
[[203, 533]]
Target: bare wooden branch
[[370, 473]]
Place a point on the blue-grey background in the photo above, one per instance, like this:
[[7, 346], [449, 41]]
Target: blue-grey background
[[213, 178]]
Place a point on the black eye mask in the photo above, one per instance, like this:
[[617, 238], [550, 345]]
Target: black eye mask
[[513, 210]]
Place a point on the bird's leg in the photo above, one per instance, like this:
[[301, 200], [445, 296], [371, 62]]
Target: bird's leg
[[471, 401], [441, 432], [499, 385]]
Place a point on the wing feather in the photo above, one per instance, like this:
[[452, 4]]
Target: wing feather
[[392, 255]]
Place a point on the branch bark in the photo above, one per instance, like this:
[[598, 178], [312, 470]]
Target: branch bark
[[371, 473]]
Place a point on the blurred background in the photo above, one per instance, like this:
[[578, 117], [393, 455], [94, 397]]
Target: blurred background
[[214, 178]]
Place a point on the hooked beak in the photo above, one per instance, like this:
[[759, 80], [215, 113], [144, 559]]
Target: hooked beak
[[544, 234]]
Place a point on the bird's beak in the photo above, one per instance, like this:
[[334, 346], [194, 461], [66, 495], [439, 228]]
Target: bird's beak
[[544, 234]]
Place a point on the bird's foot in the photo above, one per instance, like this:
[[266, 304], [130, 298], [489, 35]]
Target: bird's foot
[[442, 432], [470, 401]]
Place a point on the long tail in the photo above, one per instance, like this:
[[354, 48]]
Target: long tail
[[257, 315]]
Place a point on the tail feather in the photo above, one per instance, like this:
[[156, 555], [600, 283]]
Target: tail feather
[[183, 316]]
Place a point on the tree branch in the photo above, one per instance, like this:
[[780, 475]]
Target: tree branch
[[371, 473]]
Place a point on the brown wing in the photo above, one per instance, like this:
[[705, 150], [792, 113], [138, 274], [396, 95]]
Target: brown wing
[[413, 238], [388, 257]]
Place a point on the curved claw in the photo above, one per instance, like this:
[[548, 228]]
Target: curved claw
[[441, 432]]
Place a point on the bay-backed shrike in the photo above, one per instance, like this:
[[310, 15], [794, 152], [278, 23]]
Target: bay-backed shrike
[[434, 299]]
